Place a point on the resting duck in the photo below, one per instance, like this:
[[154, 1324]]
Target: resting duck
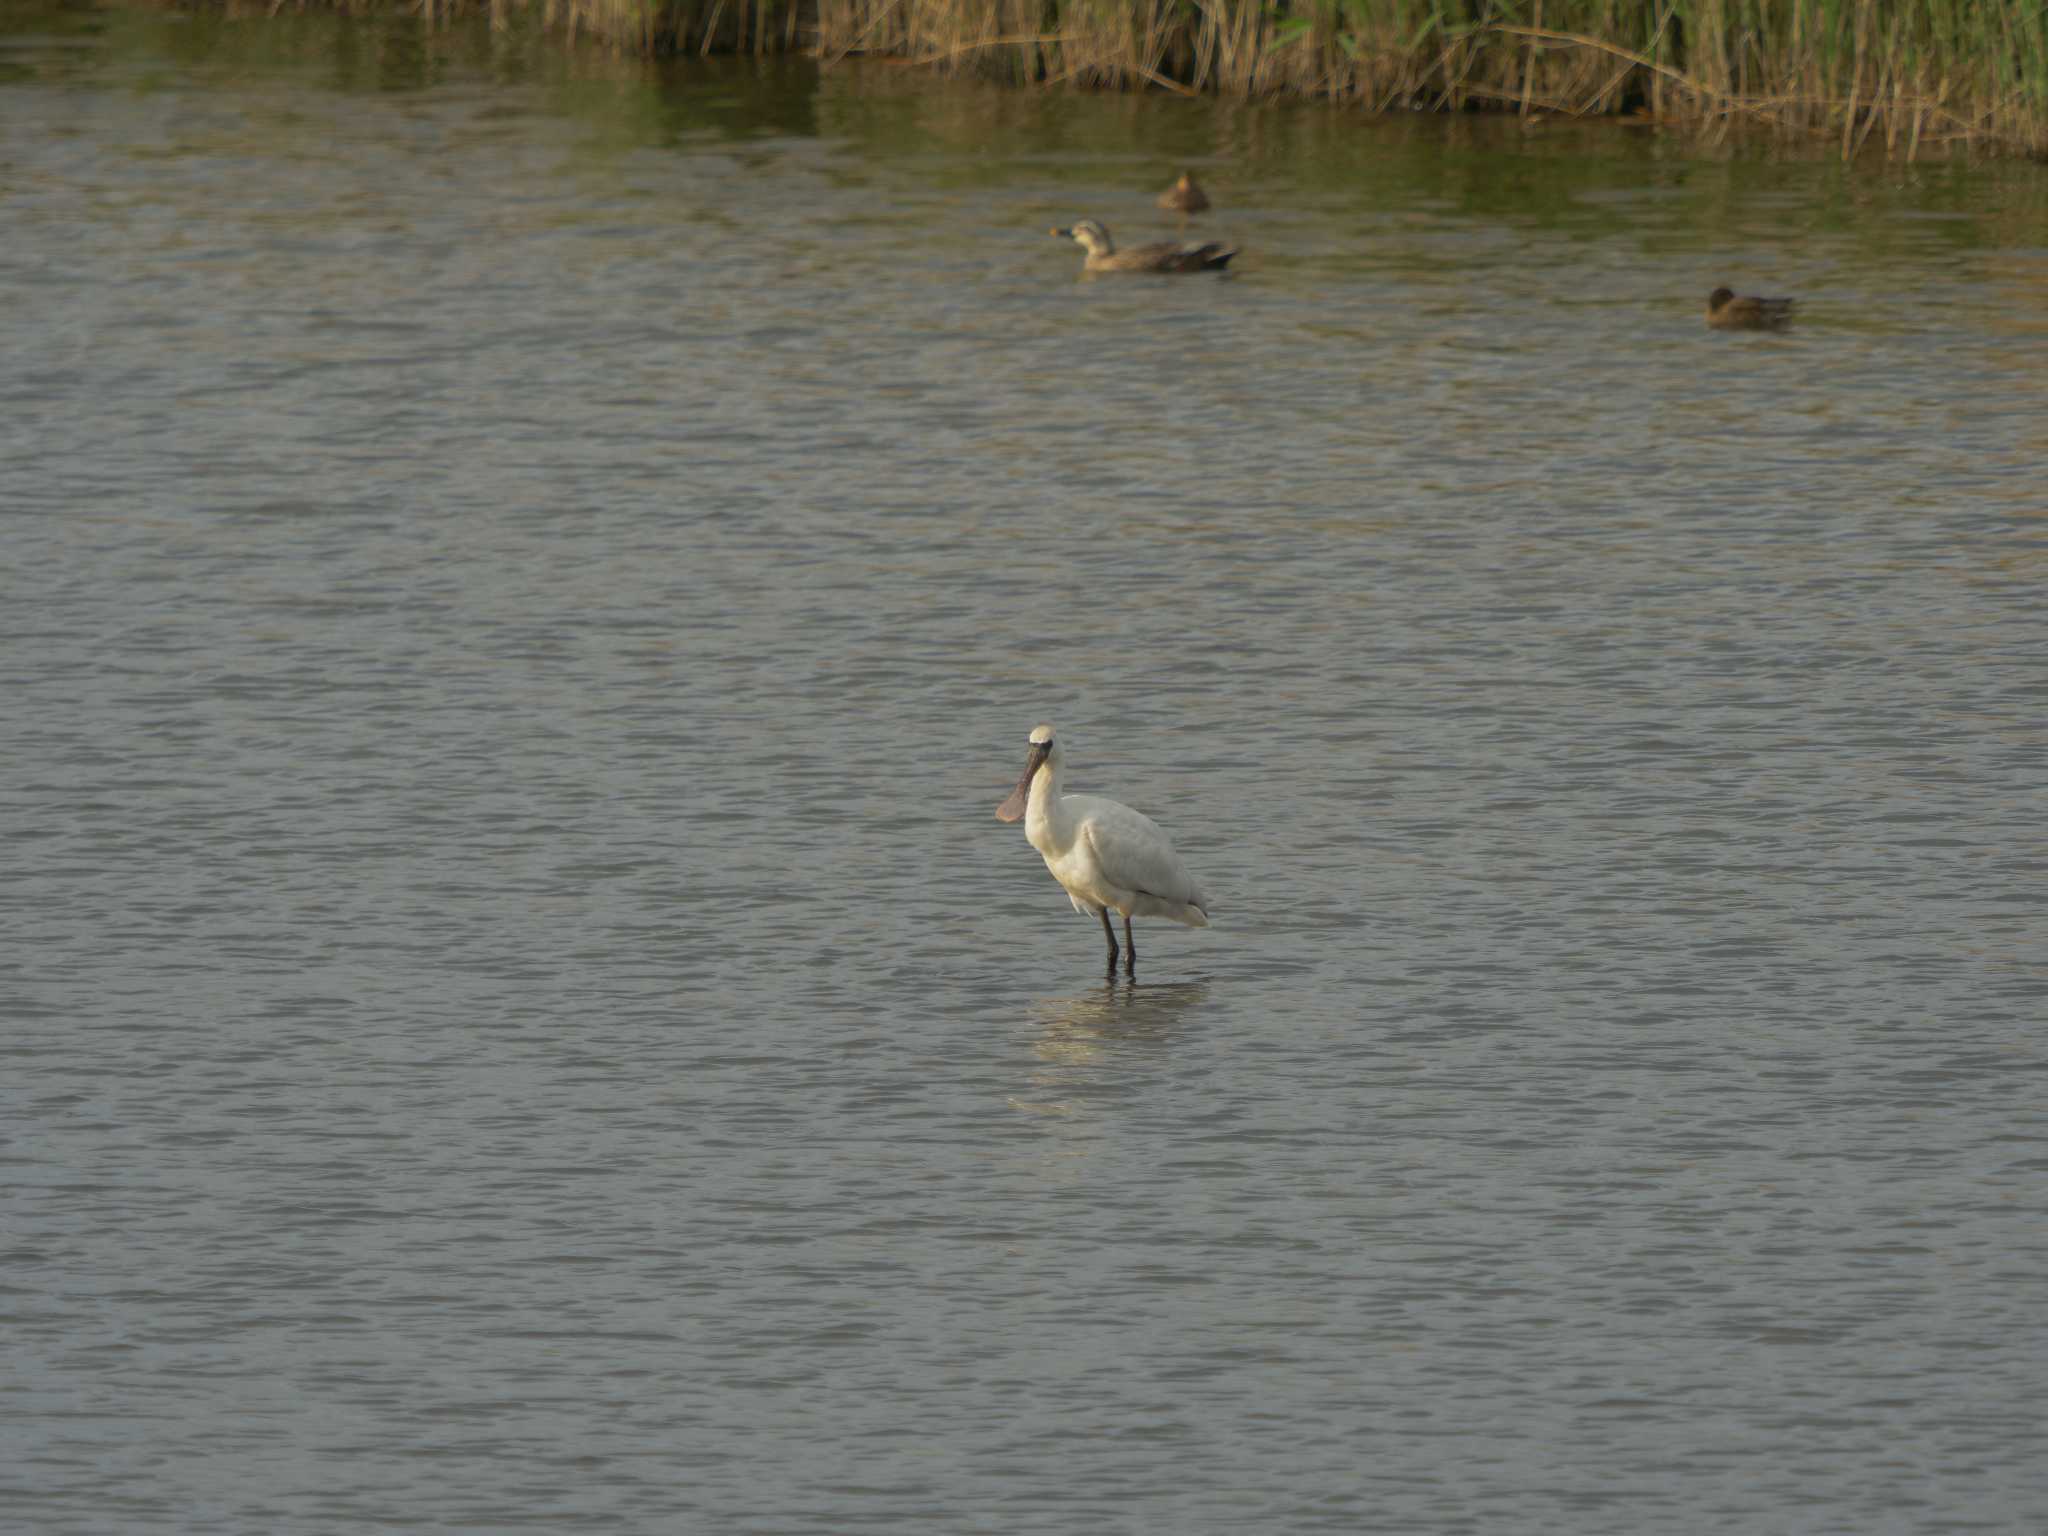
[[1160, 256], [1728, 311], [1184, 196]]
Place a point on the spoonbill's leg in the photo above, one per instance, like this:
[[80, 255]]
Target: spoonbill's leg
[[1108, 933], [1130, 949]]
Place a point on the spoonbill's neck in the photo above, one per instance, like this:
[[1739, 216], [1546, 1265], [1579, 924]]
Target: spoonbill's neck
[[1047, 825]]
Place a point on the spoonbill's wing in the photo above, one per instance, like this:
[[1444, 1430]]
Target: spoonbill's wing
[[1132, 851]]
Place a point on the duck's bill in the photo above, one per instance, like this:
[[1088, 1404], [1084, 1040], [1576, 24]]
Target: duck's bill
[[1064, 234]]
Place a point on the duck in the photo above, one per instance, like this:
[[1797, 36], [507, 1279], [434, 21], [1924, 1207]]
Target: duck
[[1184, 196], [1160, 256], [1729, 311]]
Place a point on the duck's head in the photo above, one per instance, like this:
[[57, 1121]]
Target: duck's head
[[1719, 297], [1045, 748], [1089, 235]]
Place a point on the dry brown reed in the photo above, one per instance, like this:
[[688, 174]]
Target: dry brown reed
[[1908, 74]]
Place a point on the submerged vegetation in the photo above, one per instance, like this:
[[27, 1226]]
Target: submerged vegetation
[[1912, 75]]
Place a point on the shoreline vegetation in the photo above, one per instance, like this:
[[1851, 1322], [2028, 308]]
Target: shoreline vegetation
[[1911, 76]]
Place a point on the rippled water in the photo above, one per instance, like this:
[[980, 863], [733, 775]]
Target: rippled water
[[527, 576]]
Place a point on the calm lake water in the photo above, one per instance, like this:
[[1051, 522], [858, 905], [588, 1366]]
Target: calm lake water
[[527, 574]]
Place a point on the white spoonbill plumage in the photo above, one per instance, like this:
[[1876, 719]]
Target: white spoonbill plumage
[[1105, 854]]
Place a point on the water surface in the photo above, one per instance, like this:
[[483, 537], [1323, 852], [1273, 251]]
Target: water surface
[[528, 574]]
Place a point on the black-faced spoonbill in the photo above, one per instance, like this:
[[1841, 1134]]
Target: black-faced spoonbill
[[1105, 854]]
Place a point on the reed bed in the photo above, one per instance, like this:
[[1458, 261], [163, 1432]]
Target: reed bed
[[1911, 75]]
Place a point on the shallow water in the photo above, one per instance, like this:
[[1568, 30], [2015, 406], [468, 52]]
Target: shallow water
[[529, 574]]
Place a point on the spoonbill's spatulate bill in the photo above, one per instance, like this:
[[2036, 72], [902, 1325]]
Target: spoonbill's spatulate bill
[[1105, 854]]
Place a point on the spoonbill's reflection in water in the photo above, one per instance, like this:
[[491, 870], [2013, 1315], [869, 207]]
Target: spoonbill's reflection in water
[[1078, 1028], [1105, 854], [1130, 1023]]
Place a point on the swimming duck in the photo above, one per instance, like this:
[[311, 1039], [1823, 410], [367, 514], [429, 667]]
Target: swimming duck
[[1160, 256], [1726, 311], [1184, 196]]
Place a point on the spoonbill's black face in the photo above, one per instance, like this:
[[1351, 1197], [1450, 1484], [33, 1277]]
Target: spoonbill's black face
[[1013, 807]]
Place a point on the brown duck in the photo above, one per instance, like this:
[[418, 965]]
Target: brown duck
[[1728, 311], [1184, 196], [1160, 256]]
